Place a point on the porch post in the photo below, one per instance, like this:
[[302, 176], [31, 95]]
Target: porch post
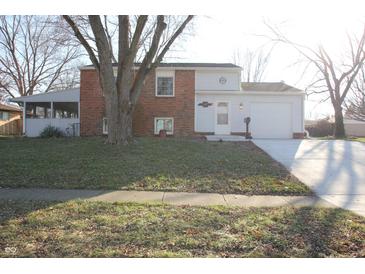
[[52, 114], [24, 116]]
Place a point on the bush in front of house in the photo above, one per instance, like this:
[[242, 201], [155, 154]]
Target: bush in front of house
[[51, 131], [322, 128]]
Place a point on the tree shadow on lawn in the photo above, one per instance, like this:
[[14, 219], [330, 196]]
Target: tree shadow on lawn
[[324, 233], [11, 209]]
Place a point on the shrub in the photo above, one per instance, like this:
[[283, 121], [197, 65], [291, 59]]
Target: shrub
[[51, 131], [322, 128]]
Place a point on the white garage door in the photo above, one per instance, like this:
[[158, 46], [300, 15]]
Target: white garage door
[[271, 120]]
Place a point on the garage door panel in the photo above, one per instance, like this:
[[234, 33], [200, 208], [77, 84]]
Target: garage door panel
[[271, 120]]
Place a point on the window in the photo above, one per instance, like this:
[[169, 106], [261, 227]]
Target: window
[[105, 126], [165, 83], [38, 110], [164, 123], [165, 86], [64, 110], [4, 115]]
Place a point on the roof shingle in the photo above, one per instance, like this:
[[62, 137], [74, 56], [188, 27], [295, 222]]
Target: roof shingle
[[268, 86]]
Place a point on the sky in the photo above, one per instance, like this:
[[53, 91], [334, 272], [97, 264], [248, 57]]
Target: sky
[[224, 26], [216, 37]]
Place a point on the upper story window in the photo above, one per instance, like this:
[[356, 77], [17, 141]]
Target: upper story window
[[165, 86]]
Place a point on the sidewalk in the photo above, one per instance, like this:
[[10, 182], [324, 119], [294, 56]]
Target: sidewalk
[[173, 198]]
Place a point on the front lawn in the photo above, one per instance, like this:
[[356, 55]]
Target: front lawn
[[358, 139], [149, 164], [95, 229]]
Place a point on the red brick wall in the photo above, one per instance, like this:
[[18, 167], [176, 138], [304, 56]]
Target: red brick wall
[[180, 107], [91, 104]]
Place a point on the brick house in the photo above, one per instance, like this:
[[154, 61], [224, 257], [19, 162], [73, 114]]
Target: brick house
[[187, 99]]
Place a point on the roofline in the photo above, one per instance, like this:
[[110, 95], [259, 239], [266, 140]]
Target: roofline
[[242, 92], [291, 88], [10, 108], [237, 68], [18, 99], [289, 92]]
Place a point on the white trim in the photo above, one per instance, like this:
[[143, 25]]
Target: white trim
[[179, 68], [200, 68], [195, 113], [24, 117], [163, 118], [239, 92], [165, 74]]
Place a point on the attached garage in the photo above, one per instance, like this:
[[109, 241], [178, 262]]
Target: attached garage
[[271, 120], [276, 111]]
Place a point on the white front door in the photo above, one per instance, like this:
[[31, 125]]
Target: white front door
[[222, 118]]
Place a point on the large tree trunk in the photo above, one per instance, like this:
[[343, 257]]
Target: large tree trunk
[[339, 131], [119, 122], [119, 111], [113, 117], [126, 132]]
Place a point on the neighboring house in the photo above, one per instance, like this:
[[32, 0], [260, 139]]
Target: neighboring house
[[189, 99], [10, 120], [354, 127], [57, 108]]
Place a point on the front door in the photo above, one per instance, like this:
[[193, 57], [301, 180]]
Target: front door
[[222, 124]]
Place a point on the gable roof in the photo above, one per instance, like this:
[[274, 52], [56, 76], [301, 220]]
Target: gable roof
[[185, 65], [9, 108], [268, 86]]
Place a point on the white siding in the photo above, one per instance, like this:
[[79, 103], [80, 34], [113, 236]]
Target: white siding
[[209, 80], [355, 128], [34, 127], [205, 117]]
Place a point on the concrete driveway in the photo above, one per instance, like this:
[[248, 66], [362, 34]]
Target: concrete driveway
[[335, 170]]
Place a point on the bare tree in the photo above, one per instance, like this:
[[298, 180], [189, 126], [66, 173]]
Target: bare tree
[[253, 62], [144, 37], [34, 54], [332, 78], [355, 105]]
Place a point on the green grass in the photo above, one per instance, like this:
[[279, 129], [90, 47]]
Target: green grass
[[358, 139], [148, 164], [95, 229]]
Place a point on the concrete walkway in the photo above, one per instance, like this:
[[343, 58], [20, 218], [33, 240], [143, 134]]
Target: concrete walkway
[[226, 138], [333, 169], [173, 198]]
